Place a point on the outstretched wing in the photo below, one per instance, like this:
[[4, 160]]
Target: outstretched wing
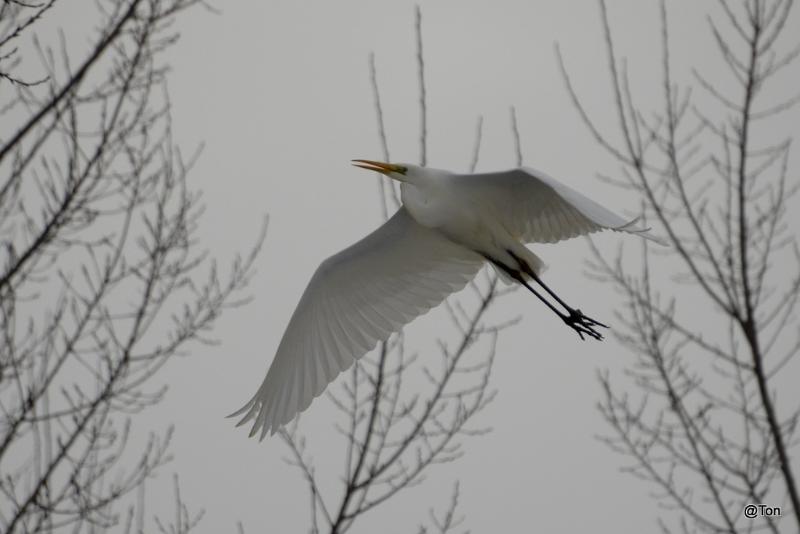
[[355, 299], [539, 209]]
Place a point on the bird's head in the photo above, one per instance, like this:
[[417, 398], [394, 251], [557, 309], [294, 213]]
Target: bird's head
[[402, 172]]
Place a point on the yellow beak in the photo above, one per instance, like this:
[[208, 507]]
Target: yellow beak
[[379, 166]]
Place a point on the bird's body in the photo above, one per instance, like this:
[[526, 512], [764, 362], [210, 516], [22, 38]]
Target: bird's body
[[449, 226], [459, 208], [451, 211]]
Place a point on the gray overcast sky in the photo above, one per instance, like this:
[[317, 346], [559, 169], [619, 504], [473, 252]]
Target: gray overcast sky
[[279, 93]]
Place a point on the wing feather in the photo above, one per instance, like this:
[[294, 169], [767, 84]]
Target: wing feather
[[356, 299], [539, 209]]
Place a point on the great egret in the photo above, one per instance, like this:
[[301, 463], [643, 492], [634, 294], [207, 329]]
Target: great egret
[[448, 227]]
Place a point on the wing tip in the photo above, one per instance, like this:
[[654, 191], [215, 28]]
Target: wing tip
[[640, 231], [252, 410], [239, 412], [263, 422]]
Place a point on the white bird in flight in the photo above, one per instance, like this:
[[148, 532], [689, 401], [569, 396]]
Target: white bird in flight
[[448, 227]]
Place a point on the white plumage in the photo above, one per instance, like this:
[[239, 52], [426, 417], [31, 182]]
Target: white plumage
[[448, 227]]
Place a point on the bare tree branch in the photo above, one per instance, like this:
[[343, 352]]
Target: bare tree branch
[[102, 279], [706, 429], [395, 434]]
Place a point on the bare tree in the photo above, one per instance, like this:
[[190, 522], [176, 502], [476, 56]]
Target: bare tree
[[394, 432], [102, 279], [714, 341]]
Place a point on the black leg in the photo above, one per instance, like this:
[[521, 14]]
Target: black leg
[[572, 311], [575, 319]]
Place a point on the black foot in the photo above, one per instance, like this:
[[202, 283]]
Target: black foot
[[583, 324]]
